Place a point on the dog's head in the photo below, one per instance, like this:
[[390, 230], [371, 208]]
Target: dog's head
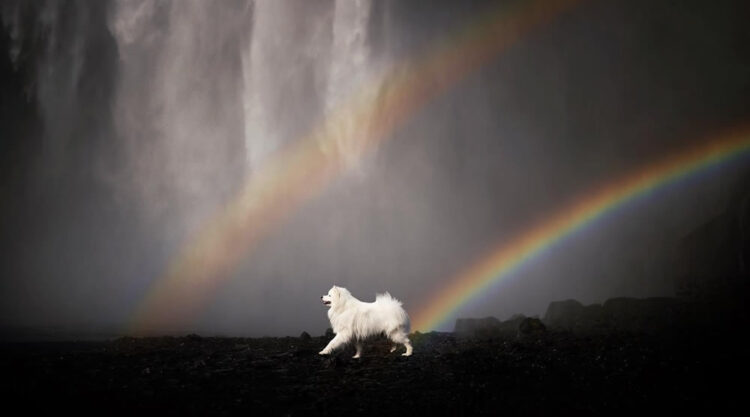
[[335, 294]]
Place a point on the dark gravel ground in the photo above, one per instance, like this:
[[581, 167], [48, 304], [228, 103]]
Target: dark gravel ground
[[552, 373]]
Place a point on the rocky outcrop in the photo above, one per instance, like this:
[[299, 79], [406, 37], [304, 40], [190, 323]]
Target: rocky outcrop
[[563, 313], [473, 327], [490, 327], [530, 326], [642, 314], [621, 313]]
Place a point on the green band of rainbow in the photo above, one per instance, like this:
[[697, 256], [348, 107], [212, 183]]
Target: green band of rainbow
[[503, 260]]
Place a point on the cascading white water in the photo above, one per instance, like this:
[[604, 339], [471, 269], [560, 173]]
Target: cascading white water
[[206, 92], [59, 69], [203, 92], [304, 63], [178, 102], [285, 73], [350, 70]]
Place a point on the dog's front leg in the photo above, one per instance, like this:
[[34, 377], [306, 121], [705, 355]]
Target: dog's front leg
[[359, 350], [334, 344]]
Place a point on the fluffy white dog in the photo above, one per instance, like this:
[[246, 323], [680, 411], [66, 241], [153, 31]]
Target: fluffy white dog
[[354, 320]]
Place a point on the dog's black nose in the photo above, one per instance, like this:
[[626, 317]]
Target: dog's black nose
[[321, 297]]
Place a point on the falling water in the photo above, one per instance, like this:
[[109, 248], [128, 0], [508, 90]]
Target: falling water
[[285, 66], [201, 92], [167, 106], [351, 69], [178, 102], [305, 60]]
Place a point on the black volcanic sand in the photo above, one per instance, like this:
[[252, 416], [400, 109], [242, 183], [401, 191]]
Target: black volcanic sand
[[551, 373]]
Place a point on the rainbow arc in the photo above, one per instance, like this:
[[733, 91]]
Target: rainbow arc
[[500, 262]]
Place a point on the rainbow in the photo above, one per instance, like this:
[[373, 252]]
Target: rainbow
[[298, 173], [504, 259]]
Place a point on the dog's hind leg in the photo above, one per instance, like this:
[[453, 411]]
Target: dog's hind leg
[[358, 346], [407, 344], [393, 348], [398, 336]]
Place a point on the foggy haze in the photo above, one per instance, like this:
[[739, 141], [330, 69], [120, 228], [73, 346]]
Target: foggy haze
[[127, 125]]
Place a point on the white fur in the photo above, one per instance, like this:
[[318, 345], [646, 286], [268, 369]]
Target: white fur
[[354, 320]]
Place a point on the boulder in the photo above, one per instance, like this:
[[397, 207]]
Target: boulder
[[648, 314], [474, 327], [564, 314], [192, 337], [592, 315], [488, 327], [531, 326], [620, 313], [512, 325]]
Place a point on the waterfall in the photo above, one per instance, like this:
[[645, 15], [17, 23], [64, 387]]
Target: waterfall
[[178, 102], [350, 72], [285, 73], [304, 64], [61, 42], [197, 94]]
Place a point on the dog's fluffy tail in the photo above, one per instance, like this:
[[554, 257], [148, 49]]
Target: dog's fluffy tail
[[386, 297], [393, 305]]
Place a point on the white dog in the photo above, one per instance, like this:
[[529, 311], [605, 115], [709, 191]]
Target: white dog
[[354, 320]]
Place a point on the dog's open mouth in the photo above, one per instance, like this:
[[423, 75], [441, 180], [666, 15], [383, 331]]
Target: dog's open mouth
[[327, 303]]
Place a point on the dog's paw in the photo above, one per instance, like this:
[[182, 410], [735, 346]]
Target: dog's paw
[[393, 349], [323, 353], [406, 354]]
